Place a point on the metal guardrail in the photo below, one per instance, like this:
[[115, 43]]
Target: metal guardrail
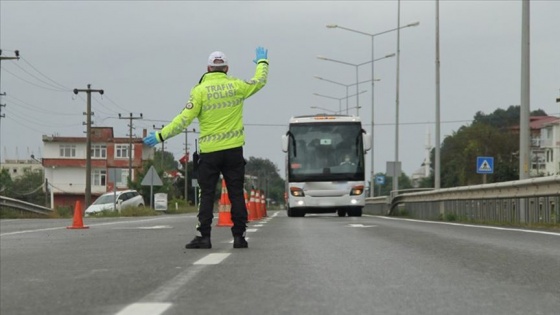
[[6, 202], [535, 200]]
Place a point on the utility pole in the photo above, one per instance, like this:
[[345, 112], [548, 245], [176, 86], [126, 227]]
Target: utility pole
[[1, 116], [3, 94], [162, 145], [88, 91], [130, 143], [186, 161]]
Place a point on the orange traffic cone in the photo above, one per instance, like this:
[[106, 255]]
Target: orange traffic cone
[[78, 222], [263, 210], [258, 204], [224, 214], [252, 215]]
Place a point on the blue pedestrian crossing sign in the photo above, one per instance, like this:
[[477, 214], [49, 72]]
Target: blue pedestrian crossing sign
[[380, 180], [485, 165]]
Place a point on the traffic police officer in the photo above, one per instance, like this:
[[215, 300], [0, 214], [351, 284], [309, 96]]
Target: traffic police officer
[[217, 102]]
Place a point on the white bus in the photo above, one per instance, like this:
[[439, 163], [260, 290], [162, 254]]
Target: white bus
[[325, 167]]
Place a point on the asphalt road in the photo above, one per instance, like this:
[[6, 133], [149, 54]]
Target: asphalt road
[[319, 264]]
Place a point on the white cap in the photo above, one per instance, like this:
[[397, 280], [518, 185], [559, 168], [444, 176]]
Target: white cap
[[217, 58]]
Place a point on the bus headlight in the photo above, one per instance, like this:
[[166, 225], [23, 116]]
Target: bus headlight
[[296, 192], [357, 190]]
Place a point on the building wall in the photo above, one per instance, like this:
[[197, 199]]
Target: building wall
[[550, 142], [67, 175], [16, 168]]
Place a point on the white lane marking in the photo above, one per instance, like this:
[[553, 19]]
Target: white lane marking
[[231, 241], [475, 226], [145, 309], [360, 225], [251, 230], [155, 227], [168, 289], [258, 225], [212, 259], [90, 225]]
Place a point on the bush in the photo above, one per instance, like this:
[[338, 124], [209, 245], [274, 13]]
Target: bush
[[10, 213], [451, 217], [63, 212]]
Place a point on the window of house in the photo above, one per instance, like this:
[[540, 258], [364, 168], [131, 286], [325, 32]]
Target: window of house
[[99, 177], [122, 151], [121, 177], [99, 151], [67, 150]]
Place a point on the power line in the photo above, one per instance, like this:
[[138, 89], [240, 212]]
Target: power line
[[41, 80], [60, 85], [34, 84]]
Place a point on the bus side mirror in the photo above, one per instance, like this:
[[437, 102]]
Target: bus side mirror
[[366, 137], [285, 141]]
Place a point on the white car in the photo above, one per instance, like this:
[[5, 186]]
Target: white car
[[116, 200]]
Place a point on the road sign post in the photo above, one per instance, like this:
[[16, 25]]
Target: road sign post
[[379, 180], [484, 165], [151, 179]]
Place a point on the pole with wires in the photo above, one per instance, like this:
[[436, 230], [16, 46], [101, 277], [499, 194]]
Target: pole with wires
[[88, 91], [3, 94], [130, 143]]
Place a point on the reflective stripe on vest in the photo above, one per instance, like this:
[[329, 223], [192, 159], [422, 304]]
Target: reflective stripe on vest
[[221, 136]]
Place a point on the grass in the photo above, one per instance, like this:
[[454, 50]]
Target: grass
[[68, 212]]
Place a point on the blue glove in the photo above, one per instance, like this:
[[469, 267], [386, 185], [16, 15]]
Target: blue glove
[[261, 54], [152, 139]]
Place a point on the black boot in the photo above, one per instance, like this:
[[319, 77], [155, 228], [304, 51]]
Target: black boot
[[200, 242], [240, 242]]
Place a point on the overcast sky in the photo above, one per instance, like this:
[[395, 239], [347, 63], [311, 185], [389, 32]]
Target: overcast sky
[[147, 55]]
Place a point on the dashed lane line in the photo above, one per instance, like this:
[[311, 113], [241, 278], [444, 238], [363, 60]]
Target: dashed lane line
[[212, 259], [145, 309], [154, 303]]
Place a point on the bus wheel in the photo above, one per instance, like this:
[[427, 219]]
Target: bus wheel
[[341, 212], [355, 212]]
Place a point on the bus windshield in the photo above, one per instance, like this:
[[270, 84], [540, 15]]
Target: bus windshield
[[325, 152]]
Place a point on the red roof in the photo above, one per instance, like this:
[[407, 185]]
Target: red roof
[[537, 122]]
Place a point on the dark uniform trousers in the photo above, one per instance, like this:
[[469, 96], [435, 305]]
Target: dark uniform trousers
[[231, 164]]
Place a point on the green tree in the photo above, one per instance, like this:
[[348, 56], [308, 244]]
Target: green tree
[[266, 177], [488, 135], [6, 182], [28, 187], [165, 161]]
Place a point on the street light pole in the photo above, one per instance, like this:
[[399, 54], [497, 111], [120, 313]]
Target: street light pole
[[339, 98], [345, 85], [396, 168], [356, 65], [372, 86], [437, 166]]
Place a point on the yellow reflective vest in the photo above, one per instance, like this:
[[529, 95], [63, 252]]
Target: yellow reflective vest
[[217, 102]]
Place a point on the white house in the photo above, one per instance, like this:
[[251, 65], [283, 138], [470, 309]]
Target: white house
[[550, 144], [64, 161]]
